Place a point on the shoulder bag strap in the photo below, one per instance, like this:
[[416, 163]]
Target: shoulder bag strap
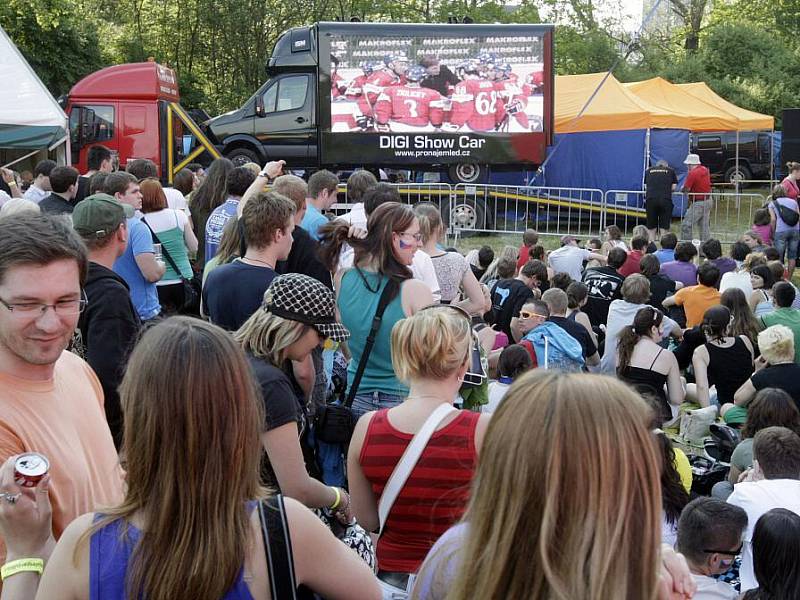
[[407, 462], [373, 332], [164, 251], [278, 547]]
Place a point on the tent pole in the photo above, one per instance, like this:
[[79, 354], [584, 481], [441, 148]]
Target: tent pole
[[737, 167]]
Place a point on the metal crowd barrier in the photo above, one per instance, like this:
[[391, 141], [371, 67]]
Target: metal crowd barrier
[[556, 211]]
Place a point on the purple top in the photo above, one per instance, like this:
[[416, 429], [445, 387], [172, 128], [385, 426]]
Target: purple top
[[110, 552], [724, 264], [780, 225], [677, 270]]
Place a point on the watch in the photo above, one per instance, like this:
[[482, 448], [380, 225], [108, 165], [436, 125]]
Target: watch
[[265, 175]]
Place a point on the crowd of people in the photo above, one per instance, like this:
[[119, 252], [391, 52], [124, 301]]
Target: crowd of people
[[242, 396]]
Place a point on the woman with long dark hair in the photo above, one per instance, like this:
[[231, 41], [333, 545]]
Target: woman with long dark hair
[[724, 361], [211, 194], [382, 259], [776, 556], [189, 526], [744, 322], [646, 365]]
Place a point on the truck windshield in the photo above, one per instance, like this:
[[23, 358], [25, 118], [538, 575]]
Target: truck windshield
[[286, 93]]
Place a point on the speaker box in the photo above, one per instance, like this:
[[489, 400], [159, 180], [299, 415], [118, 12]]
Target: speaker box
[[790, 143]]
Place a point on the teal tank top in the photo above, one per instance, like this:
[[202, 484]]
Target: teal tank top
[[357, 305]]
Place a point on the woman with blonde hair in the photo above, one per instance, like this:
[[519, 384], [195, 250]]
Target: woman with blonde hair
[[297, 315], [508, 252], [189, 526], [431, 351], [543, 522], [452, 269], [774, 368]]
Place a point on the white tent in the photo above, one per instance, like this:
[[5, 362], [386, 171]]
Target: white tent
[[30, 118]]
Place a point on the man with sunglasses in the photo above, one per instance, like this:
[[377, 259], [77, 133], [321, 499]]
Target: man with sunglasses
[[52, 401], [710, 537]]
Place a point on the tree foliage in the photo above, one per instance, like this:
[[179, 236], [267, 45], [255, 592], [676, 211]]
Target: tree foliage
[[744, 49]]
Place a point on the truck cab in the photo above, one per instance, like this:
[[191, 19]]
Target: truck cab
[[133, 109], [278, 121]]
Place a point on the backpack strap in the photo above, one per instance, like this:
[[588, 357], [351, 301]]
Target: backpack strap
[[278, 546]]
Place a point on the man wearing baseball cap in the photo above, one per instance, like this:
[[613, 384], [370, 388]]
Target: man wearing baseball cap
[[109, 324], [570, 258], [697, 187]]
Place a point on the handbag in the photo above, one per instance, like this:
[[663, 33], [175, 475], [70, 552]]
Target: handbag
[[398, 479], [788, 216], [191, 287], [334, 423]]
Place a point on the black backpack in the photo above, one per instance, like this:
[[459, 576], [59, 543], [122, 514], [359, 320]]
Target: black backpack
[[788, 216]]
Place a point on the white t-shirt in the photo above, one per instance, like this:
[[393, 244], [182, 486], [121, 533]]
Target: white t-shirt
[[733, 279], [497, 392], [4, 197], [35, 194], [709, 588], [177, 201], [757, 498], [569, 259]]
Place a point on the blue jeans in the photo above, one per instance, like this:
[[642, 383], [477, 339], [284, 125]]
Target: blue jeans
[[363, 403], [786, 243]]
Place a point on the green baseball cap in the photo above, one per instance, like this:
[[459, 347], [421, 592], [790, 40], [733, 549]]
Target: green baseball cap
[[98, 215]]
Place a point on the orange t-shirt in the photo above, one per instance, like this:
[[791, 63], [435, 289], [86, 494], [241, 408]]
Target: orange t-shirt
[[64, 420], [696, 300]]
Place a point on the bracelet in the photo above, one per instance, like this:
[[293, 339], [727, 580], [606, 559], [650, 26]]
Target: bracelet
[[338, 498], [11, 183], [21, 565]]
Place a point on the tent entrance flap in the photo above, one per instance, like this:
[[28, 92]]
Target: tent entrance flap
[[30, 136]]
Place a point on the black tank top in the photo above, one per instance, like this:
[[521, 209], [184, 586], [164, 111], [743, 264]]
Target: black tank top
[[728, 368], [647, 381]]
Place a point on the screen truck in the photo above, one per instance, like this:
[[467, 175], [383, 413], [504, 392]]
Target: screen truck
[[133, 109], [457, 98]]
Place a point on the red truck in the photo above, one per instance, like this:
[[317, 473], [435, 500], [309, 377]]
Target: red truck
[[134, 110]]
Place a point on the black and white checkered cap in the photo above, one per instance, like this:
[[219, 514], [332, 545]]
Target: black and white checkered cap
[[302, 298]]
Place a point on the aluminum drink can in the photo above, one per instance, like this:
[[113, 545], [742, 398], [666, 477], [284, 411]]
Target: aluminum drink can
[[29, 469]]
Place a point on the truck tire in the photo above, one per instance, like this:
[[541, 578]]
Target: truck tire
[[468, 215], [240, 156], [737, 173], [468, 173]]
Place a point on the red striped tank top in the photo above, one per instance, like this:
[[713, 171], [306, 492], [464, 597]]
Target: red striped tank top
[[435, 494]]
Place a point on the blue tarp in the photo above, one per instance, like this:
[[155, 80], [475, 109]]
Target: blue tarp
[[671, 145]]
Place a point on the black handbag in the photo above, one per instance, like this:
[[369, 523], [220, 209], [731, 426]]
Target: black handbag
[[334, 422], [191, 287], [788, 216]]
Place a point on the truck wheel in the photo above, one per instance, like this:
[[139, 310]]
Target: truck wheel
[[737, 174], [467, 215], [241, 156], [468, 173]]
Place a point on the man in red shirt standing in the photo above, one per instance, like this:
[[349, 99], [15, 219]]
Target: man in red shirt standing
[[698, 188]]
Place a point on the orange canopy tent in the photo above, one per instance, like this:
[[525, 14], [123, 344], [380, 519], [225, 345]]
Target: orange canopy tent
[[748, 119]]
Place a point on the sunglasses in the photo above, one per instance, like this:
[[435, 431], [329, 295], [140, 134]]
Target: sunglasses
[[524, 314]]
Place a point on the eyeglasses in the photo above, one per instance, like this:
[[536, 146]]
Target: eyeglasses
[[727, 552], [62, 308], [524, 314], [417, 236]]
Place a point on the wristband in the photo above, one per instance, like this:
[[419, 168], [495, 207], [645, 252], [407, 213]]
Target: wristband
[[338, 498], [11, 183], [21, 565]]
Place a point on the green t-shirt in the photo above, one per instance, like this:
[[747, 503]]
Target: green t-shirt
[[790, 317]]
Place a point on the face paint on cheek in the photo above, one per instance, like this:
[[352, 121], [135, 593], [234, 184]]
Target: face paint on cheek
[[405, 246]]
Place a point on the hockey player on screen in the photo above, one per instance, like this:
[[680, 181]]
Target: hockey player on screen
[[511, 100], [356, 87], [474, 100], [409, 107], [393, 73]]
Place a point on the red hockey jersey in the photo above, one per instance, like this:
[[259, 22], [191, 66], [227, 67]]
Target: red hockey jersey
[[475, 103], [509, 95], [416, 106]]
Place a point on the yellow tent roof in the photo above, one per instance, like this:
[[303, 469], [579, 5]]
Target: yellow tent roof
[[613, 107], [702, 115], [748, 120]]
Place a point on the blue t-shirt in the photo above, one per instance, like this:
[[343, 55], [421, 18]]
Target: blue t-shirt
[[143, 293], [215, 225], [665, 256], [313, 220], [235, 291]]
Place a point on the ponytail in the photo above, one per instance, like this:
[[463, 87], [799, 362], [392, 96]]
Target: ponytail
[[333, 236], [627, 342]]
